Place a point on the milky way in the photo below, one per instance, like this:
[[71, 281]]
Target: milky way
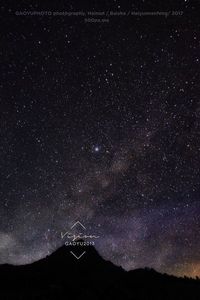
[[99, 122]]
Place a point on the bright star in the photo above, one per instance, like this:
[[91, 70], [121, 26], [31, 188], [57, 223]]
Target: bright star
[[96, 149]]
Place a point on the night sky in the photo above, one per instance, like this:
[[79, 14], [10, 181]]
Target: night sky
[[100, 122]]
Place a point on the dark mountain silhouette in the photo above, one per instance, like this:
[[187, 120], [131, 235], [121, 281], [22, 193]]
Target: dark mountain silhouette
[[62, 276]]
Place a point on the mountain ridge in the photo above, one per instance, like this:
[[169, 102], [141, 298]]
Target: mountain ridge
[[91, 277]]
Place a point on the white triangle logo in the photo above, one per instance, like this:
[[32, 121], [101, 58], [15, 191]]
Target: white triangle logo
[[77, 257]]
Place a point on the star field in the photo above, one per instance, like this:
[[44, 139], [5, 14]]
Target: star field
[[101, 123]]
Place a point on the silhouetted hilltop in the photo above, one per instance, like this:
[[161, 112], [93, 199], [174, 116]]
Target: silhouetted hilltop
[[62, 276]]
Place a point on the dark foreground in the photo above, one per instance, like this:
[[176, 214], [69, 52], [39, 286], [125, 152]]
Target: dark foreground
[[61, 276]]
